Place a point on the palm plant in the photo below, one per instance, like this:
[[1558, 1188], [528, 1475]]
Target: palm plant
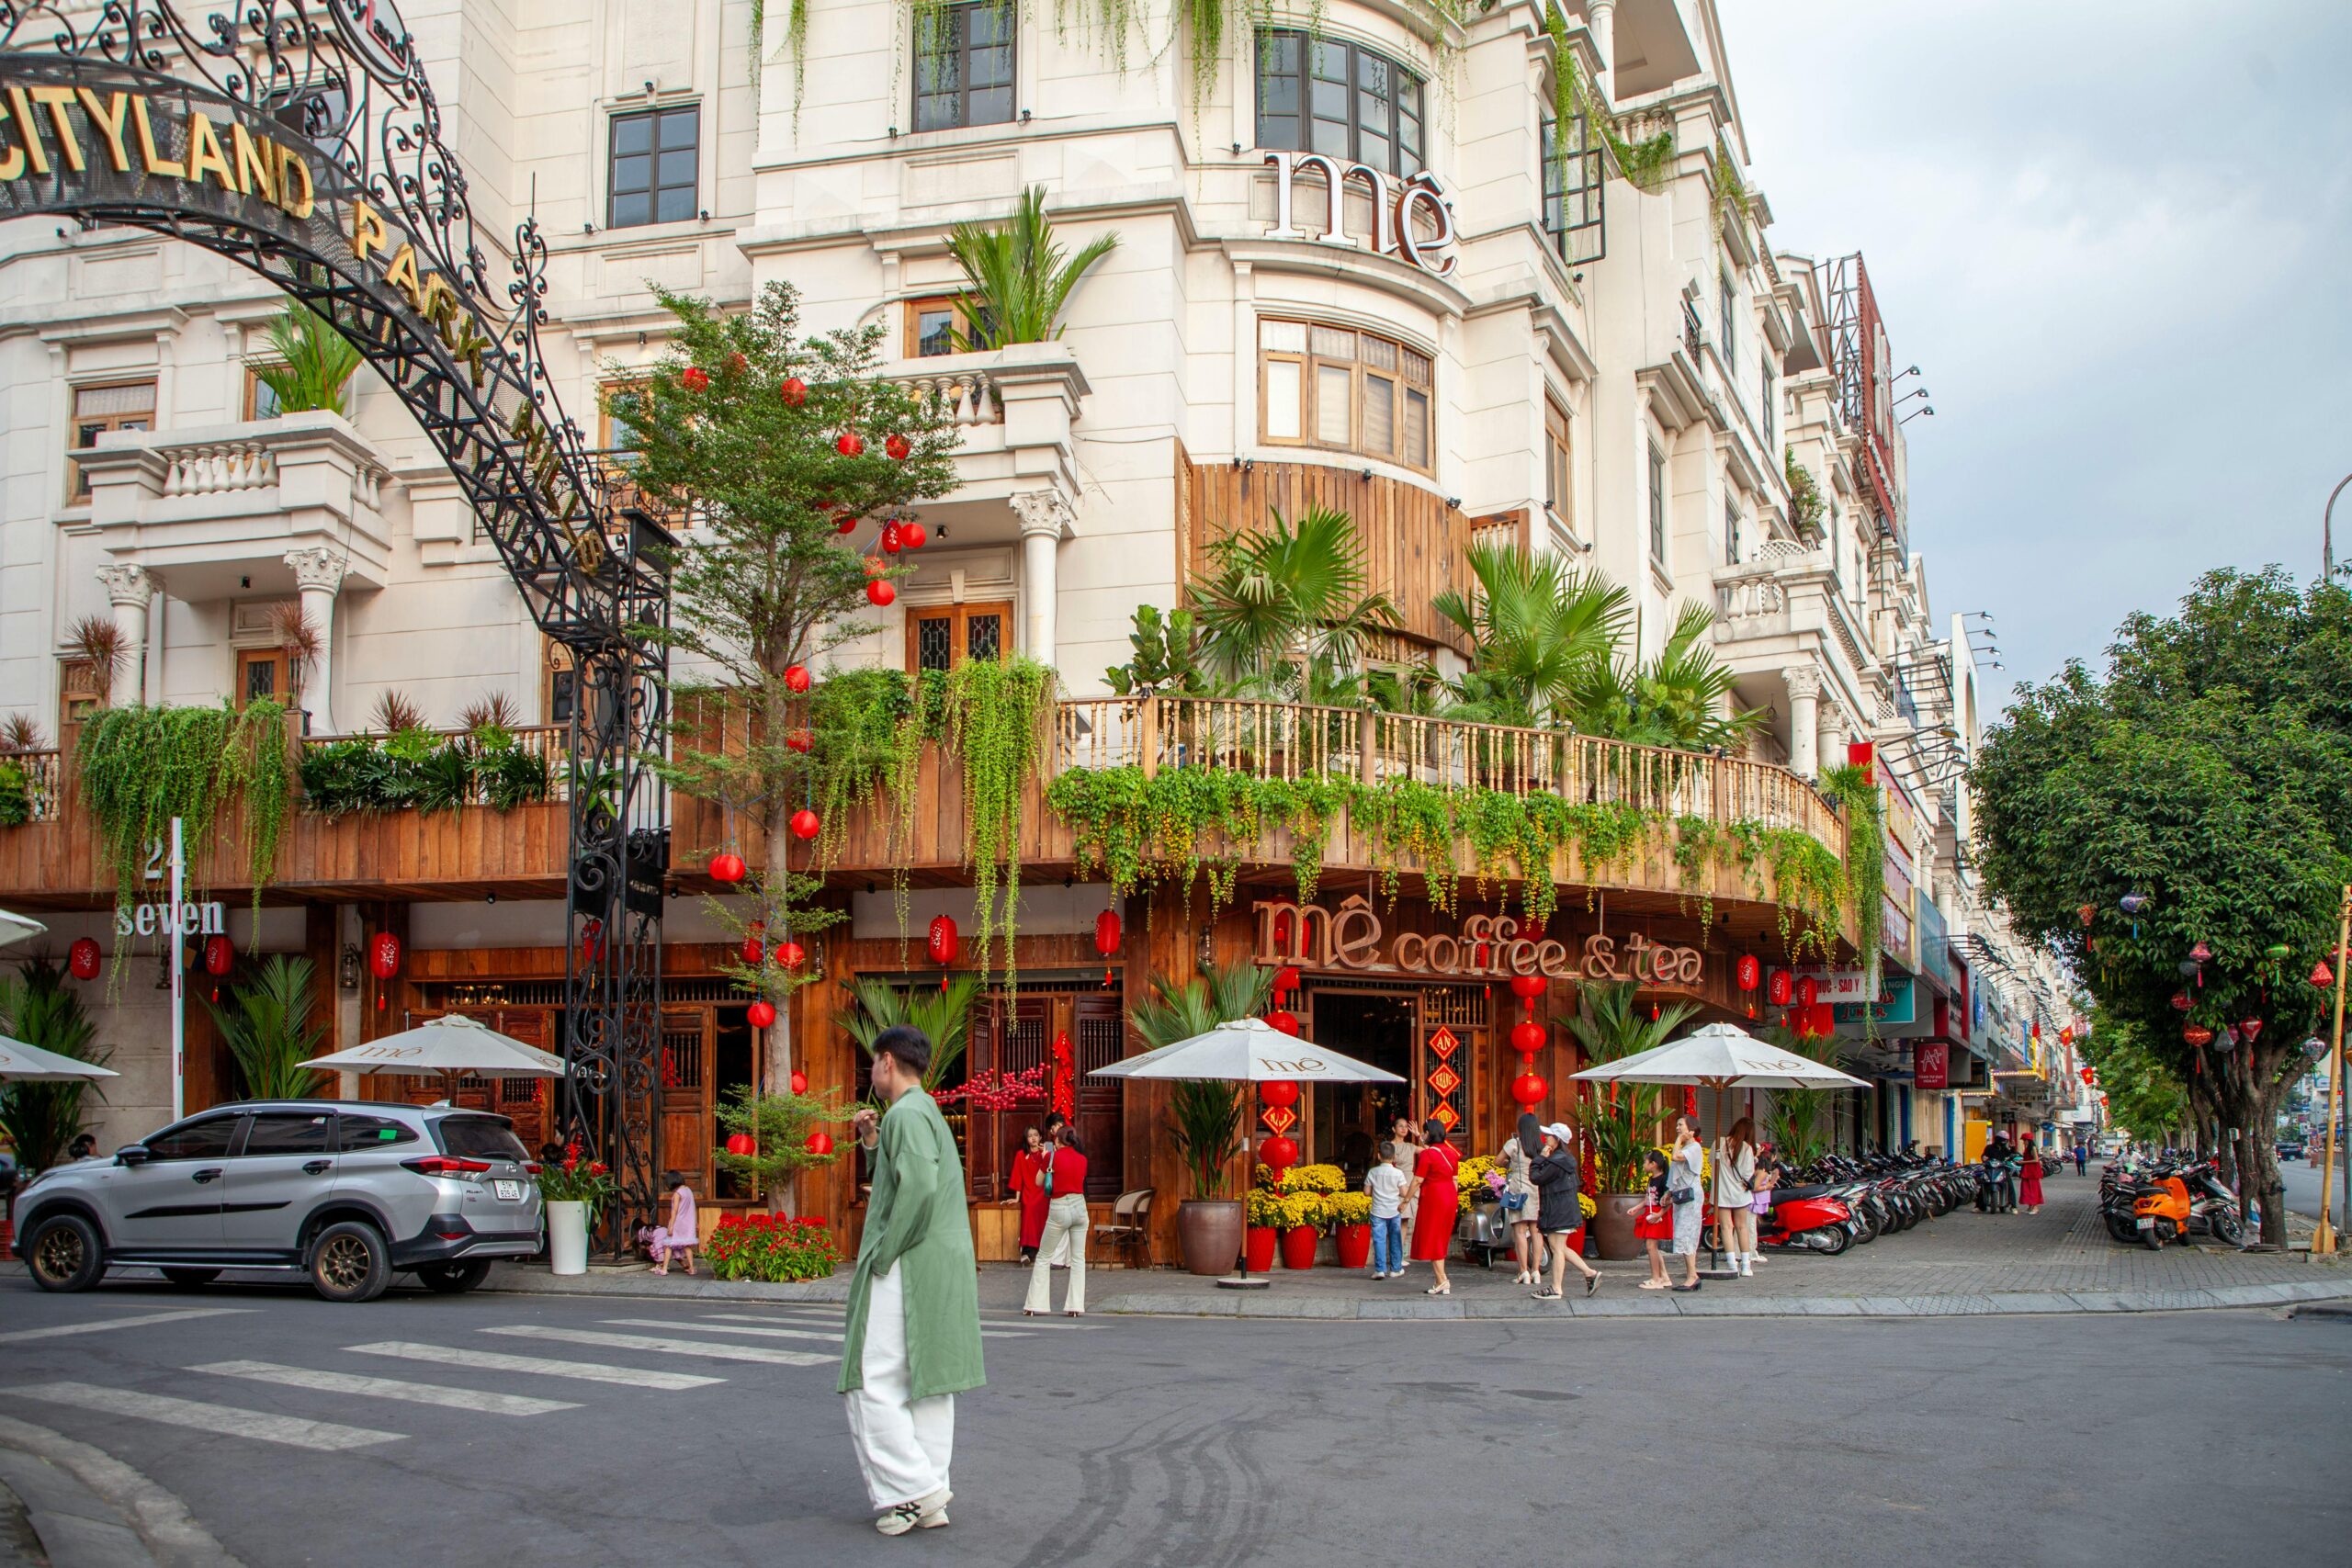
[[310, 365], [1541, 629], [1796, 1122], [22, 732], [40, 1119], [1681, 697], [298, 638], [395, 714], [1274, 604], [269, 1027], [1609, 1026], [1204, 1118], [97, 642], [1021, 276], [945, 1016]]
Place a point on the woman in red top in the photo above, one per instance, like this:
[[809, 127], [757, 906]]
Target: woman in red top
[[1433, 1220], [1029, 1191], [1066, 1226]]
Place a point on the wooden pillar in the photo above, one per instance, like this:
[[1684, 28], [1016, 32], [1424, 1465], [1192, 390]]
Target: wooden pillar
[[318, 947]]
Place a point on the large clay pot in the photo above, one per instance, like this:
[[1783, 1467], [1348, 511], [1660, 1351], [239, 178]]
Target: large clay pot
[[567, 1238], [1356, 1246], [1298, 1247], [1614, 1226], [1259, 1253], [1208, 1230]]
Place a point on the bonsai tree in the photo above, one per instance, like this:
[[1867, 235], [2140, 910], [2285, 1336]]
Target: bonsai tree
[[792, 453]]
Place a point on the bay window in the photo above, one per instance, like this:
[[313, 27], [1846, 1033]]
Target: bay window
[[1344, 390]]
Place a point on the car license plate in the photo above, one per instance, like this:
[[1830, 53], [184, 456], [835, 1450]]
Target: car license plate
[[2145, 1222], [509, 1192]]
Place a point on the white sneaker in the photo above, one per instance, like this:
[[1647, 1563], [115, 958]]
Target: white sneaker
[[924, 1513], [1748, 1264]]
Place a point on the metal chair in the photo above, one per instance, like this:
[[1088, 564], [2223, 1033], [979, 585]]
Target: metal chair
[[1129, 1226]]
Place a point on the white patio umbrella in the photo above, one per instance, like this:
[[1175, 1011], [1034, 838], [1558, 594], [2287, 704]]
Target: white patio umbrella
[[1248, 1050], [20, 1063], [17, 927], [453, 1046]]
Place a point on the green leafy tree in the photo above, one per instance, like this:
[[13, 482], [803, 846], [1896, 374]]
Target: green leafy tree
[[40, 1119], [1021, 276], [2144, 1093], [269, 1027], [1166, 657], [310, 365], [2210, 770], [773, 439]]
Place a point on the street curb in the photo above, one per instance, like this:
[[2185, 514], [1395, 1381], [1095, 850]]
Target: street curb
[[1729, 1304], [90, 1507]]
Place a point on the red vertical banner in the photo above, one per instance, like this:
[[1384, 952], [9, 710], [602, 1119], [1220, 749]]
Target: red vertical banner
[[1931, 1065]]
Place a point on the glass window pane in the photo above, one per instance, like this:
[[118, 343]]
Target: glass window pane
[[991, 67], [677, 204], [1283, 337], [1283, 387], [991, 24], [288, 1133], [137, 398], [1417, 367], [933, 72], [678, 128], [1334, 391], [934, 644], [1277, 95], [933, 332], [1378, 352], [983, 637], [1380, 416], [633, 133], [632, 174], [357, 1132], [1329, 136], [936, 112], [1373, 150], [1334, 343], [1417, 429], [87, 435], [207, 1139], [678, 168], [1328, 63], [991, 108], [261, 679]]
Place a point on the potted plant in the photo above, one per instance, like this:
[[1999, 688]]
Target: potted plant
[[1265, 1212], [572, 1190], [1352, 1227], [1301, 1228], [1608, 1027], [1204, 1119]]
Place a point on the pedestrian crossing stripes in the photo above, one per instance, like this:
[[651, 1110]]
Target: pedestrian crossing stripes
[[481, 1400], [144, 1320], [535, 1366], [718, 1321], [664, 1345], [219, 1420]]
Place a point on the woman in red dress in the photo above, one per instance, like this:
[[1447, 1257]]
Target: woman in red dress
[[2029, 1179], [1433, 1221], [1028, 1189]]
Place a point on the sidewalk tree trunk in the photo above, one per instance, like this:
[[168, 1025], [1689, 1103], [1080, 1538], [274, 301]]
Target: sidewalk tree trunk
[[2210, 770]]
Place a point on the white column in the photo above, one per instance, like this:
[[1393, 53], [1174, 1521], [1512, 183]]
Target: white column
[[318, 572], [1600, 16], [1805, 718], [1044, 523], [1833, 737], [129, 589]]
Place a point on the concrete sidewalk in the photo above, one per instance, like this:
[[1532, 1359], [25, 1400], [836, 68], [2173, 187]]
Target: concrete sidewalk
[[67, 1504], [2061, 1260]]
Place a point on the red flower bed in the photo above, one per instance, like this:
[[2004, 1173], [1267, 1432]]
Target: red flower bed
[[770, 1247]]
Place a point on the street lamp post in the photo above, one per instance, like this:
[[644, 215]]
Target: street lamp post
[[2327, 531]]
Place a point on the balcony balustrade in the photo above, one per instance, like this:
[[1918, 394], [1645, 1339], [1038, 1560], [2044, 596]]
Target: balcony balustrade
[[1015, 408], [1787, 605]]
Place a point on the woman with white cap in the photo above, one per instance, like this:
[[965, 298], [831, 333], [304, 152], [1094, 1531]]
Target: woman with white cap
[[1560, 1215]]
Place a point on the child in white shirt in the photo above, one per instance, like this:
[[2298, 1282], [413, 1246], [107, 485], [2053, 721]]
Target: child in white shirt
[[1386, 1185]]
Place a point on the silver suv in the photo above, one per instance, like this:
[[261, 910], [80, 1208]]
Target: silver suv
[[345, 1191]]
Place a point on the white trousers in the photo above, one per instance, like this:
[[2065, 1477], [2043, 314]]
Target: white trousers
[[1066, 1227], [903, 1444]]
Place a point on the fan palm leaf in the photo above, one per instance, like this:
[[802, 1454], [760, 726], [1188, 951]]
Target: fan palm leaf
[[1289, 596], [1538, 628], [268, 1029], [945, 1016], [1021, 276]]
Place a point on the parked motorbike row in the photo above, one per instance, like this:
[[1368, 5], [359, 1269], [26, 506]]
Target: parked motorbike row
[[2159, 1201], [1840, 1202]]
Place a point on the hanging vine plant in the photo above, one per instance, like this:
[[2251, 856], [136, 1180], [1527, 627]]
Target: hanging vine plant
[[994, 712], [1864, 873], [140, 767], [1646, 164]]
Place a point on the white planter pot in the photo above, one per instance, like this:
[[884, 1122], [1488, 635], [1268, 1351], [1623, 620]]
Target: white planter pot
[[567, 1238]]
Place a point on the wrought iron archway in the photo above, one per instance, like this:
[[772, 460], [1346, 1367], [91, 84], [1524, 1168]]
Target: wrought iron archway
[[300, 139]]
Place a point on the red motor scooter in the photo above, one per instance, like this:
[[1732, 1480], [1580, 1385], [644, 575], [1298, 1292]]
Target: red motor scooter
[[1806, 1219]]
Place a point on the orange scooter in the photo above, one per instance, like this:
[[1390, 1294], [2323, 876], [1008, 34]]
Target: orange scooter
[[2173, 1213]]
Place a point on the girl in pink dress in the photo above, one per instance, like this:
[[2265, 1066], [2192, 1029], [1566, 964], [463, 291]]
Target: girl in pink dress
[[678, 1238]]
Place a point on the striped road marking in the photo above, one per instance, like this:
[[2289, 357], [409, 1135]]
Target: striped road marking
[[716, 1322], [668, 1347], [23, 1333], [493, 1361], [217, 1420], [475, 1398]]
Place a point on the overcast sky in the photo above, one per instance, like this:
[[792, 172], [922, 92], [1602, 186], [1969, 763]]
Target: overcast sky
[[2116, 239]]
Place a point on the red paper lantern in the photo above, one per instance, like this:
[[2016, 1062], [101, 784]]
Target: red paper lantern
[[851, 444], [1782, 989], [1808, 991], [727, 867], [1285, 979], [897, 447], [848, 523], [1527, 988], [2182, 1001], [740, 1143], [219, 955], [1282, 1023], [2247, 1027], [1527, 1037], [800, 1081], [754, 946], [2086, 912], [2321, 974], [1106, 933], [794, 391], [2198, 1035], [790, 954], [804, 823], [795, 678], [800, 740], [82, 959], [912, 536], [1278, 1153], [384, 956], [737, 364], [1528, 1089], [875, 565], [1749, 971], [591, 941], [1280, 1093], [696, 378], [942, 942], [880, 594], [761, 1013], [820, 1142], [890, 539]]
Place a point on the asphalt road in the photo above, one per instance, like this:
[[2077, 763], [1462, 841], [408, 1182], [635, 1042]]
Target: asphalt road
[[2189, 1438], [2302, 1182]]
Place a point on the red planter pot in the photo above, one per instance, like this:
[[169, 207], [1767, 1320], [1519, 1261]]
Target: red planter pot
[[1356, 1246], [1259, 1248], [1298, 1247]]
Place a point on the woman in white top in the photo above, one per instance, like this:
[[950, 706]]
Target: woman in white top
[[1518, 1155], [1735, 1195], [1685, 1178]]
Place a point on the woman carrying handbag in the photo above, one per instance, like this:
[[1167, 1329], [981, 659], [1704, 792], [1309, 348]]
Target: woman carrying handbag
[[1735, 1195], [1685, 1178]]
